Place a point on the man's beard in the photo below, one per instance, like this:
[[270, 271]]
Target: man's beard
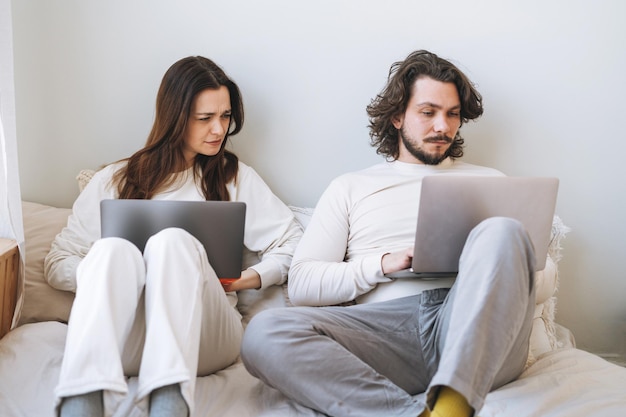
[[417, 152]]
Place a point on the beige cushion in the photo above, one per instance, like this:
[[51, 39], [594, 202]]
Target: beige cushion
[[42, 302]]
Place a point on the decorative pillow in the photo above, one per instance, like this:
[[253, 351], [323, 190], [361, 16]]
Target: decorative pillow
[[83, 178], [42, 302], [302, 214], [544, 336], [41, 225]]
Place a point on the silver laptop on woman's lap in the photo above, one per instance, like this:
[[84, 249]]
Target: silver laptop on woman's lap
[[218, 225]]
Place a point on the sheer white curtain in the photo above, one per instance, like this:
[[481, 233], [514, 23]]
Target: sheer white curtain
[[10, 197]]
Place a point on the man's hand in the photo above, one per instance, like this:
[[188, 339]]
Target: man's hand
[[396, 261], [250, 279]]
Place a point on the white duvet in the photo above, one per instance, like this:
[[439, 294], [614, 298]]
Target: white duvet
[[564, 383]]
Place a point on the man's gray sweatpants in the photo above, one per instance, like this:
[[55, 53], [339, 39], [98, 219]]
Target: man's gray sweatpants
[[373, 359]]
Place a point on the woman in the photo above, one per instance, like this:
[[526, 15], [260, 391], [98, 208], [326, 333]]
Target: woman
[[163, 315]]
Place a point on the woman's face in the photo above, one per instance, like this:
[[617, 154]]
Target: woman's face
[[208, 124]]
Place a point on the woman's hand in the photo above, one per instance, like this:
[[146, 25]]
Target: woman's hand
[[250, 279]]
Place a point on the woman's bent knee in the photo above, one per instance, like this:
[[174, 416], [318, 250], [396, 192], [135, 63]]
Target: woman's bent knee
[[109, 256], [169, 236], [113, 246]]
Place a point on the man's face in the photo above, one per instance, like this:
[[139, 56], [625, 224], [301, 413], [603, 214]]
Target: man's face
[[430, 122]]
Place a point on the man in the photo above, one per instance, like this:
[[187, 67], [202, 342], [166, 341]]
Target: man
[[401, 338]]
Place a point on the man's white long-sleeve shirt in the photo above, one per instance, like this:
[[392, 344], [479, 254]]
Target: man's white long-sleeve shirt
[[360, 217]]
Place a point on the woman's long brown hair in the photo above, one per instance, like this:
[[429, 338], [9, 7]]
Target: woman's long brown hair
[[149, 170]]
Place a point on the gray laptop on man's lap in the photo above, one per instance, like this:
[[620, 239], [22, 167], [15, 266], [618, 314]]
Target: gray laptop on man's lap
[[451, 206], [218, 225]]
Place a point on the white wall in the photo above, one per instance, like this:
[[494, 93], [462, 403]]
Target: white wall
[[551, 73]]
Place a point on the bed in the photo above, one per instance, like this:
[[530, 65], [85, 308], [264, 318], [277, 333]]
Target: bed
[[559, 380]]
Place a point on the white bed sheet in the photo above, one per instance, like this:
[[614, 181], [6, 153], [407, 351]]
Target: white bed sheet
[[566, 382]]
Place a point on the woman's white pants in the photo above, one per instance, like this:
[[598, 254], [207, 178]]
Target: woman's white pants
[[162, 315]]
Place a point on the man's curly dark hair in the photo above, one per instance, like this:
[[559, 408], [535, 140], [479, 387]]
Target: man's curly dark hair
[[393, 100]]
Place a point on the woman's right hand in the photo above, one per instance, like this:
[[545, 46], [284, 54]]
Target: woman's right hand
[[250, 279]]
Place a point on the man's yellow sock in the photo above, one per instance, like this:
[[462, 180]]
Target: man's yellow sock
[[450, 403]]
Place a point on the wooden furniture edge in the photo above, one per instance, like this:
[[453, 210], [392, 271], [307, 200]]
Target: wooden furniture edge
[[9, 269]]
